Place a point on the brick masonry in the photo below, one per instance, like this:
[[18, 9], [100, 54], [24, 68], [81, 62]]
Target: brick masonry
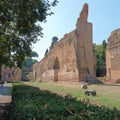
[[113, 56], [72, 57]]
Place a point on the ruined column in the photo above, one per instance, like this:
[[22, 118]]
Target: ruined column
[[83, 45]]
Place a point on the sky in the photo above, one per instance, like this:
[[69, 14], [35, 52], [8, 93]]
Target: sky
[[103, 14]]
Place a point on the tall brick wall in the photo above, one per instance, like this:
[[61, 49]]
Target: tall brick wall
[[113, 56], [74, 53]]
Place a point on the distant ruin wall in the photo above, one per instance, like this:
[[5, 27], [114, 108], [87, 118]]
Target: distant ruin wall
[[64, 51], [113, 56]]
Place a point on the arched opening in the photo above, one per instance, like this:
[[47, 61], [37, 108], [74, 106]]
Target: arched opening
[[56, 68]]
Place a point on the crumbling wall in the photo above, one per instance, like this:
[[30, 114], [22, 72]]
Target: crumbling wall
[[113, 56], [74, 53]]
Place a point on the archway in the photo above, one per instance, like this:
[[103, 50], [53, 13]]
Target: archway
[[56, 68]]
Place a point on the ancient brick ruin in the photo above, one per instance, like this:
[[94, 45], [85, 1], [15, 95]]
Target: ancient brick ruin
[[113, 56], [10, 74], [71, 58]]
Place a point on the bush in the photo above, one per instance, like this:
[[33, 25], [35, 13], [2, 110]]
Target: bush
[[30, 103]]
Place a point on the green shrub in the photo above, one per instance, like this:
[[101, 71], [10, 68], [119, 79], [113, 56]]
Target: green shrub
[[30, 103]]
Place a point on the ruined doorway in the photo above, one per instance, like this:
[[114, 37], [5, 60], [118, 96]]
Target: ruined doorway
[[56, 68]]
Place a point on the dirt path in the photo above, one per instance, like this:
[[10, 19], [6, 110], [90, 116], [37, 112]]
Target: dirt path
[[5, 101]]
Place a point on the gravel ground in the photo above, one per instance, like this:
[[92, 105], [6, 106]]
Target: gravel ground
[[5, 93]]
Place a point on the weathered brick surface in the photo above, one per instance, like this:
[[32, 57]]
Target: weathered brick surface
[[74, 54], [10, 73], [113, 56]]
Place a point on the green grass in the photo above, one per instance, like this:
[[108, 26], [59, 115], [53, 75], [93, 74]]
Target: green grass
[[106, 95], [76, 92]]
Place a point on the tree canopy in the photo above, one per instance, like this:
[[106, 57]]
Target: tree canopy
[[20, 27], [100, 52], [29, 61], [46, 52], [33, 54], [54, 40]]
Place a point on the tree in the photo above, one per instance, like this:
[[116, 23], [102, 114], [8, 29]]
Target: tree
[[29, 61], [103, 56], [100, 56], [33, 54], [27, 65], [54, 40], [46, 52], [104, 44], [20, 27]]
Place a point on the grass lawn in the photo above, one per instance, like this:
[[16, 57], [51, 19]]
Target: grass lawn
[[108, 95]]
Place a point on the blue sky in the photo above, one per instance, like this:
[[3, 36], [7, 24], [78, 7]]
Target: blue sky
[[103, 14]]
